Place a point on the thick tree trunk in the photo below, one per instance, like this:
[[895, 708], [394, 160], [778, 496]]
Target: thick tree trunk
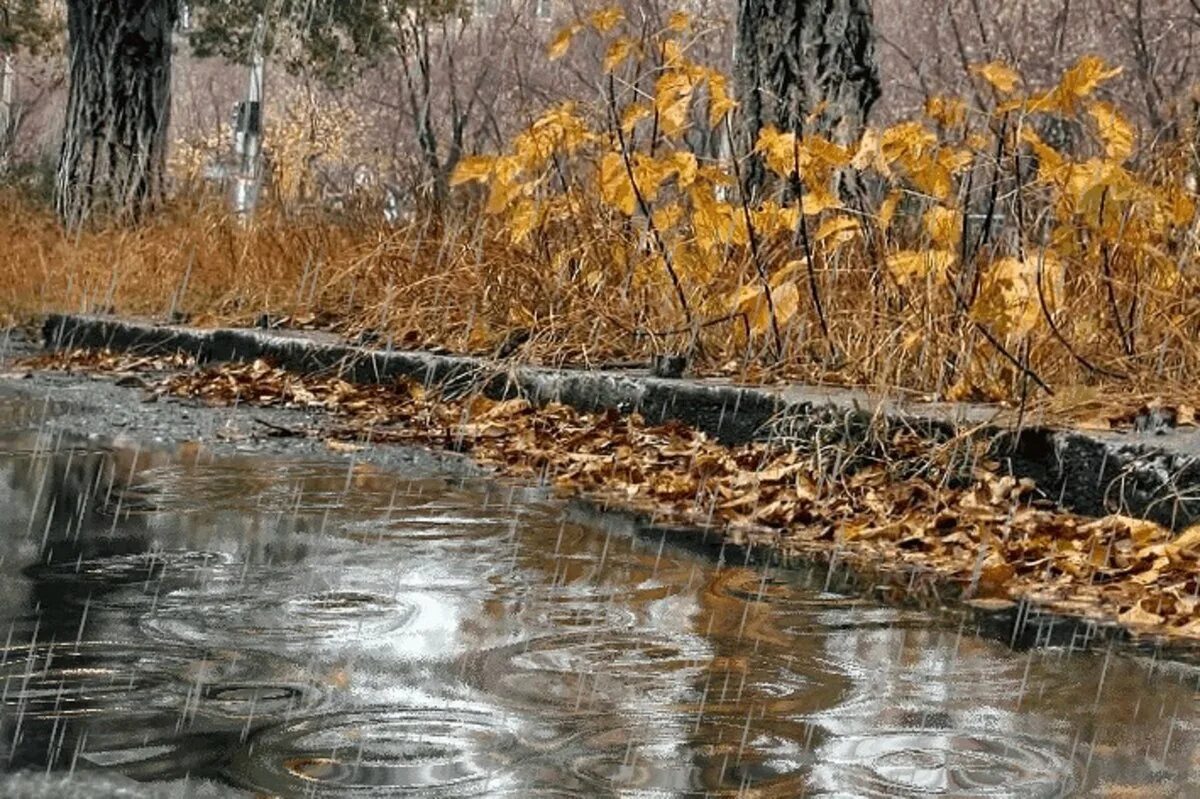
[[113, 154], [797, 57]]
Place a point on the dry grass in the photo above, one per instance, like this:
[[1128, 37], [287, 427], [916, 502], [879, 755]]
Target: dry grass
[[968, 258], [462, 285]]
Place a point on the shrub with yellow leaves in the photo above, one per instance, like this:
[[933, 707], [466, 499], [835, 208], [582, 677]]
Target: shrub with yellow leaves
[[961, 233], [974, 250]]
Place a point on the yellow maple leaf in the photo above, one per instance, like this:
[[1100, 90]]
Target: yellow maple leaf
[[606, 19], [1008, 302], [561, 42], [1083, 78], [1002, 77], [720, 103], [615, 188], [1113, 129], [473, 168], [672, 100], [778, 149]]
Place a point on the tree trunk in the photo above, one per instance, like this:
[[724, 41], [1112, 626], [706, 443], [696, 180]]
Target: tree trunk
[[113, 155], [797, 57]]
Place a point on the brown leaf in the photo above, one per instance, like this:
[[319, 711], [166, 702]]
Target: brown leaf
[[1137, 617]]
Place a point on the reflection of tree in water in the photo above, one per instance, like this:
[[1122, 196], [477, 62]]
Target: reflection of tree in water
[[55, 505], [82, 539]]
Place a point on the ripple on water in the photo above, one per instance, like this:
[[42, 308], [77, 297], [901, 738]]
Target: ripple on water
[[448, 751], [935, 669], [797, 611], [962, 764], [118, 679], [254, 621], [129, 568], [713, 756], [577, 670]]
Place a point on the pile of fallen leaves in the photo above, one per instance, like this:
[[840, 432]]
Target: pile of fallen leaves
[[986, 536], [108, 361]]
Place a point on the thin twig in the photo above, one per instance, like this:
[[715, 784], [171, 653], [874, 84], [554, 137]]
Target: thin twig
[[752, 236], [643, 206]]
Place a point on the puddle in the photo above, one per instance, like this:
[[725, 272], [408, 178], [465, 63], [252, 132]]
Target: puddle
[[323, 629]]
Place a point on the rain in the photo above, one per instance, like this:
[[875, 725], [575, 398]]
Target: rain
[[532, 399]]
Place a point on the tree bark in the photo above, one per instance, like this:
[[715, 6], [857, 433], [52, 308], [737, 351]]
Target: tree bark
[[113, 157], [797, 57]]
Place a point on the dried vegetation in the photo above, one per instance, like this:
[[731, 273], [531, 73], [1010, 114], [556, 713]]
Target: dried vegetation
[[972, 252]]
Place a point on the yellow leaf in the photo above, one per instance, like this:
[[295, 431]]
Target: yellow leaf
[[818, 199], [1008, 299], [720, 103], [944, 226], [786, 302], [504, 184], [1081, 80], [562, 41], [745, 298], [686, 167], [606, 19], [672, 99], [672, 54], [651, 173], [1002, 77], [522, 220], [836, 231], [473, 168], [615, 188], [618, 51], [634, 114], [678, 21], [778, 150], [1116, 133], [906, 266], [868, 153], [827, 153], [906, 140], [713, 222], [950, 112], [771, 219], [887, 209], [1052, 167], [666, 216]]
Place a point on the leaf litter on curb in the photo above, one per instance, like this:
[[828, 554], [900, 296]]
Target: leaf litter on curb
[[911, 507]]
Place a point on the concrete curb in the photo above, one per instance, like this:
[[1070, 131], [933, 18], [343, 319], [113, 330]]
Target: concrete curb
[[1138, 474]]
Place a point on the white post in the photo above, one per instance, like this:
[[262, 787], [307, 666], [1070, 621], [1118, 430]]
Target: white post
[[8, 80], [248, 131]]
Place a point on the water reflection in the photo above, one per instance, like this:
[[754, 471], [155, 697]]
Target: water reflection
[[315, 629]]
